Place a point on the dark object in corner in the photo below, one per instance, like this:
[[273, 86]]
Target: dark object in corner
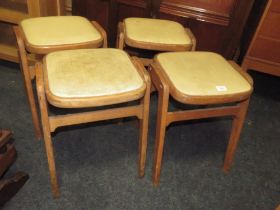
[[9, 186]]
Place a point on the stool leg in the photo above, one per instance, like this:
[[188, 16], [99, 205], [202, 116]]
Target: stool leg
[[47, 132], [143, 129], [51, 162], [160, 132], [120, 37], [49, 150], [244, 65], [32, 105], [193, 39], [237, 125], [28, 82]]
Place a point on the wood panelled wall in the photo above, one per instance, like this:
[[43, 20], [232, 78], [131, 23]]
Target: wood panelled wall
[[263, 53], [217, 24]]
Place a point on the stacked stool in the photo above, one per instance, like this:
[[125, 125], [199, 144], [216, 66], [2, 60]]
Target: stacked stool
[[88, 78], [42, 35], [154, 34]]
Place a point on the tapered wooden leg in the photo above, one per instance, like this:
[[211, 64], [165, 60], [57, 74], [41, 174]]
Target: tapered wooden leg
[[51, 162], [33, 108], [244, 65], [193, 39], [237, 125], [120, 37], [47, 133], [160, 134], [163, 101], [25, 69], [103, 33], [143, 131]]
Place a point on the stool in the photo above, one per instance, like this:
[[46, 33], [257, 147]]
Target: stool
[[154, 34], [41, 35], [199, 78], [86, 78]]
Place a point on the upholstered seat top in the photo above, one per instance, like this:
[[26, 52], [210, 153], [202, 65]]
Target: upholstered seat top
[[90, 72], [58, 30], [156, 31], [202, 74]]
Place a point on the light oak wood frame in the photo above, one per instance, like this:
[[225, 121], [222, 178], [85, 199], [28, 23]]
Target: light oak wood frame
[[165, 118], [50, 123], [27, 65], [123, 40]]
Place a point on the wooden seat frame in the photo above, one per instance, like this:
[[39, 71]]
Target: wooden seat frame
[[123, 40], [50, 123], [165, 118], [27, 64]]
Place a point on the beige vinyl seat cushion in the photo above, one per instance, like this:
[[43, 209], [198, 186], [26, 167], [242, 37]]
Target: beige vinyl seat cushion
[[202, 74], [90, 73], [59, 30], [156, 31]]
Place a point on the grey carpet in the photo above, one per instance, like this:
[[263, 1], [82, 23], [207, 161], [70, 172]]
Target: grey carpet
[[97, 162]]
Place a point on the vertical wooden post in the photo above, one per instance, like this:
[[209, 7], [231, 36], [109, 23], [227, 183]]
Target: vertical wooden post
[[237, 125]]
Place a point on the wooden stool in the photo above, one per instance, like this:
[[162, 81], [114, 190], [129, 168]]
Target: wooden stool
[[154, 34], [199, 78], [92, 78], [42, 35]]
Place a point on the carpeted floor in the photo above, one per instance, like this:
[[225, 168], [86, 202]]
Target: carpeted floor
[[97, 162]]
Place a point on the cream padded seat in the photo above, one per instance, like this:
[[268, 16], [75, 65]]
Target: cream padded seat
[[153, 34], [58, 30], [156, 31], [202, 74], [86, 73]]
